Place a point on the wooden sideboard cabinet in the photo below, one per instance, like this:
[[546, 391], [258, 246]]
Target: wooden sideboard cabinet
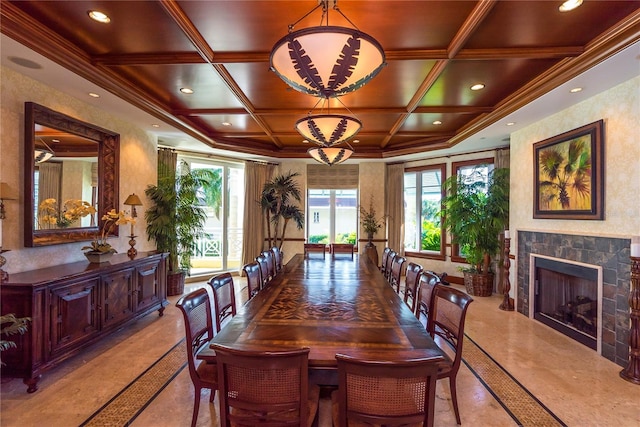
[[74, 305]]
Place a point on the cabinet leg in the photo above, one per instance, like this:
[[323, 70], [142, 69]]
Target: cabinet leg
[[161, 311], [32, 383]]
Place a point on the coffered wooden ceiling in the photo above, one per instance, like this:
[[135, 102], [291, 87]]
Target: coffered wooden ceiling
[[435, 51]]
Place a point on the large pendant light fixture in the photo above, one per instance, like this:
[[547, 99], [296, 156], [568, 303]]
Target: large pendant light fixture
[[330, 155], [327, 61], [42, 154]]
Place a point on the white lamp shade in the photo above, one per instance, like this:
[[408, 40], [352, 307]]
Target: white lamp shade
[[330, 155], [327, 61], [41, 155], [328, 129]]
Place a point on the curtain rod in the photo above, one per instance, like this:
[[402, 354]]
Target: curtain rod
[[213, 156], [504, 147]]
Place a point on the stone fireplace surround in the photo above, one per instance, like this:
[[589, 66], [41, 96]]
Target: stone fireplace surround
[[612, 254]]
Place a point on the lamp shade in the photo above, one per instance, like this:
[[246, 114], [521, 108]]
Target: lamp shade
[[133, 200], [327, 61], [328, 129], [330, 155]]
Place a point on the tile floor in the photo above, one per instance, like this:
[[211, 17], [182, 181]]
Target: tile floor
[[541, 369]]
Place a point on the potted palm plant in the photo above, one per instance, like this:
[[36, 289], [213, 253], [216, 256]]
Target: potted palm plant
[[176, 219], [475, 212], [371, 223], [278, 209]]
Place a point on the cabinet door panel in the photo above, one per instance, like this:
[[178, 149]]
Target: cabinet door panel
[[74, 314], [148, 292], [119, 304]]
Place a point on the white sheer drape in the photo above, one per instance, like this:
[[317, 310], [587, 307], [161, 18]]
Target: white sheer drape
[[394, 207], [49, 182], [255, 176]]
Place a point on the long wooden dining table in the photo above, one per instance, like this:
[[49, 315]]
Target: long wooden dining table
[[331, 305]]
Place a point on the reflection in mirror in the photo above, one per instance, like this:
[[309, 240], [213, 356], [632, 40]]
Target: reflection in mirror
[[71, 177], [65, 181]]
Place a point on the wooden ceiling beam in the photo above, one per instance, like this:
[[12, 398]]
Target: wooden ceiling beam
[[177, 14]]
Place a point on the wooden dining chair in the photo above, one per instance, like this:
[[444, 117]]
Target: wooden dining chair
[[224, 298], [271, 263], [397, 267], [383, 261], [252, 271], [426, 282], [412, 276], [264, 270], [198, 324], [265, 387], [446, 322], [385, 392], [387, 270], [278, 256]]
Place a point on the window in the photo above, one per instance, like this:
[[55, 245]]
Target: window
[[471, 171], [335, 216], [221, 249], [423, 232], [332, 202]]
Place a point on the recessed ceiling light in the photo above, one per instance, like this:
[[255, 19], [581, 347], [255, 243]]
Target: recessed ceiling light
[[437, 122], [511, 123], [226, 124], [477, 86], [55, 140], [355, 141], [576, 90], [186, 90], [569, 5], [305, 141], [94, 95], [98, 16], [155, 125]]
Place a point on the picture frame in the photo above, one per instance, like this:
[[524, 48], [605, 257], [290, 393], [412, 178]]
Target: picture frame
[[569, 174]]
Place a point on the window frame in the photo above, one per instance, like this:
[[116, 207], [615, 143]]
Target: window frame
[[332, 212], [441, 256], [455, 167]]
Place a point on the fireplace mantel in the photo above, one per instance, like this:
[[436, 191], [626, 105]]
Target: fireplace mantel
[[610, 253]]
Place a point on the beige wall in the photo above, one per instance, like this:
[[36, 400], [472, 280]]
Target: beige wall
[[137, 168], [619, 107]]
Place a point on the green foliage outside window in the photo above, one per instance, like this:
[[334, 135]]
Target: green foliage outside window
[[346, 238], [430, 239], [319, 238]]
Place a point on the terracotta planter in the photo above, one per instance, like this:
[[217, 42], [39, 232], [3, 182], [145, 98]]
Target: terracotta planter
[[479, 285]]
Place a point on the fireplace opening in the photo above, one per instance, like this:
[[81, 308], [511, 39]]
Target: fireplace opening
[[566, 299]]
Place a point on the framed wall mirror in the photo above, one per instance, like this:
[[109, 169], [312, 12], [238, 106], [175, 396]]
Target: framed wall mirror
[[69, 164]]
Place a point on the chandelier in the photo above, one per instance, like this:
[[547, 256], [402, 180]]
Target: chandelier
[[42, 154], [326, 61], [330, 155], [327, 129]]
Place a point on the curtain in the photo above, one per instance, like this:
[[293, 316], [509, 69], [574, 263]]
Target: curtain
[[502, 160], [49, 182], [167, 163], [394, 207], [255, 176]]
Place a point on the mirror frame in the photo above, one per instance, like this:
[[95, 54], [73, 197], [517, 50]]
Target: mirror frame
[[108, 173]]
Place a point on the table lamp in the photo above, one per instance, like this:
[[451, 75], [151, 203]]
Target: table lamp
[[133, 200]]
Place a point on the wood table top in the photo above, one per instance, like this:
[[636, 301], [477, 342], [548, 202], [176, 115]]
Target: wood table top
[[332, 305]]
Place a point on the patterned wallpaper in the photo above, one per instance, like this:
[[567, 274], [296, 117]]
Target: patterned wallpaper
[[619, 107], [137, 168]]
